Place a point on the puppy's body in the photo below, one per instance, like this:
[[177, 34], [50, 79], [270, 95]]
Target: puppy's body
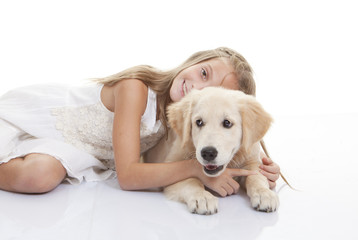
[[220, 128]]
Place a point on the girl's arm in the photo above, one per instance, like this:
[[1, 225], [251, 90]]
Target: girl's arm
[[130, 98]]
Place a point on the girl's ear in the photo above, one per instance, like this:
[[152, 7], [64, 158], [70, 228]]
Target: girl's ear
[[255, 121], [179, 116]]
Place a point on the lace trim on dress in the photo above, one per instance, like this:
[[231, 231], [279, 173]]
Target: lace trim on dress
[[89, 128]]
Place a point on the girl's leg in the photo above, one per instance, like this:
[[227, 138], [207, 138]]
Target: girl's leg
[[34, 173]]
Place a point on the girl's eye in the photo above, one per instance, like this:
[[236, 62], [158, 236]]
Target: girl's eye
[[227, 124], [199, 123], [204, 73]]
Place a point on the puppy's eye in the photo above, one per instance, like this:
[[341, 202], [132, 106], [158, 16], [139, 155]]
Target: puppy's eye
[[199, 123], [227, 124]]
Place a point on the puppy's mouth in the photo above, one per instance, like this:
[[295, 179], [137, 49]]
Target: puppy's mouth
[[212, 169]]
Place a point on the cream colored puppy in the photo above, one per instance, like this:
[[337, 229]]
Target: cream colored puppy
[[220, 128]]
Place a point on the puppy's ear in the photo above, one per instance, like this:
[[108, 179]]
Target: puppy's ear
[[255, 121], [179, 116]]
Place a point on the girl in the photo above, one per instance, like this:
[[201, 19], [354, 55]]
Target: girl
[[54, 133]]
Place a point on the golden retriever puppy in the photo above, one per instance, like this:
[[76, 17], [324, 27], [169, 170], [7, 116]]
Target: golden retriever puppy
[[220, 128]]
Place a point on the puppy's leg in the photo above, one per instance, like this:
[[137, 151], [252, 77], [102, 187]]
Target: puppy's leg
[[192, 192], [261, 196]]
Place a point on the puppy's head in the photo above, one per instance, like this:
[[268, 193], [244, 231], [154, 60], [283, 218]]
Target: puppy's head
[[218, 122]]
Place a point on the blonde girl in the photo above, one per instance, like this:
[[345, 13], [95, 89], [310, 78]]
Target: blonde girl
[[52, 133]]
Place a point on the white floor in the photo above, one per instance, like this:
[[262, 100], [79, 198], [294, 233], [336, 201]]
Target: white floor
[[318, 158]]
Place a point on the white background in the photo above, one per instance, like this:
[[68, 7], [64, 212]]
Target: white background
[[304, 54]]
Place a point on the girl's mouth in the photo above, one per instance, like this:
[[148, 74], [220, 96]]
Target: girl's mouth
[[185, 91]]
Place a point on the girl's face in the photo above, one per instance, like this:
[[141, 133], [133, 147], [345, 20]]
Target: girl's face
[[214, 72]]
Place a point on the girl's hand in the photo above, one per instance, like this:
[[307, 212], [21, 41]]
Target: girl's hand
[[270, 170], [224, 184]]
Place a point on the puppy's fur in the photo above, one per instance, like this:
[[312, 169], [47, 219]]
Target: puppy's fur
[[220, 128]]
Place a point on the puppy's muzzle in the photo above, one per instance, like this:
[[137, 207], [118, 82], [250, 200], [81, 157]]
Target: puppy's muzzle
[[209, 154]]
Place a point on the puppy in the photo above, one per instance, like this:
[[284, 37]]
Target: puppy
[[220, 128]]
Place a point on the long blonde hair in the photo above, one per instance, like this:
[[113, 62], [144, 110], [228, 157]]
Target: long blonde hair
[[161, 81]]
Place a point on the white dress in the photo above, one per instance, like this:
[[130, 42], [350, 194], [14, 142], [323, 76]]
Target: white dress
[[70, 124]]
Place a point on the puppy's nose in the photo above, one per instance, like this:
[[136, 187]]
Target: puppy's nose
[[209, 153]]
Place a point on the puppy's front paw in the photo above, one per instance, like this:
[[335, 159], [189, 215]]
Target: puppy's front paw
[[203, 203], [264, 200]]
